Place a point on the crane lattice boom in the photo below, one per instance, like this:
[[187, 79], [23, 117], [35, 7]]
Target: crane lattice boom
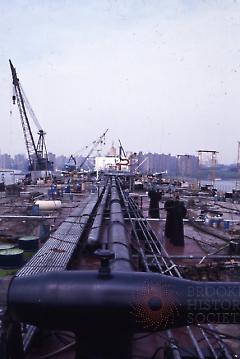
[[37, 154]]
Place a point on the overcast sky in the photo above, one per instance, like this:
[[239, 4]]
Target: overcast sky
[[162, 75]]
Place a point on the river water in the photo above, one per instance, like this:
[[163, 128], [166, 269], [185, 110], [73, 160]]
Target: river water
[[223, 185]]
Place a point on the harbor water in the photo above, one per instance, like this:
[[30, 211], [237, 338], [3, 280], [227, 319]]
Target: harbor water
[[223, 185]]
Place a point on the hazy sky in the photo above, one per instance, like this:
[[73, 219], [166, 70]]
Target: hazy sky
[[162, 75]]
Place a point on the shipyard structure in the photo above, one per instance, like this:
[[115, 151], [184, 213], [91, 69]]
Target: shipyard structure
[[119, 257], [98, 268]]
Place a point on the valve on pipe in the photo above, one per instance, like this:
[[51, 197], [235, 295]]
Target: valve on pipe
[[139, 302]]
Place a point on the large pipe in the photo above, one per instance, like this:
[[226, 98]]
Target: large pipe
[[94, 235], [117, 233], [26, 218], [133, 301]]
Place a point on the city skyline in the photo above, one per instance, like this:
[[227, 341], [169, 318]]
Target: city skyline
[[164, 76], [205, 159], [140, 163]]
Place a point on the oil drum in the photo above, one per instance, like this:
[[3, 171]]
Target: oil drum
[[11, 260], [29, 244]]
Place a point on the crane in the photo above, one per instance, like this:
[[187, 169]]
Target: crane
[[71, 164], [123, 161], [37, 153], [95, 144], [121, 150]]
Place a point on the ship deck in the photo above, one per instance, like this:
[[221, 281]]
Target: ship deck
[[204, 257]]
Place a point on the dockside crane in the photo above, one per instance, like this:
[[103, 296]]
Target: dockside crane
[[37, 153], [95, 144], [71, 164], [121, 150]]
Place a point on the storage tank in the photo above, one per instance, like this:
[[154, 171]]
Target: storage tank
[[29, 244], [11, 260], [6, 245], [45, 205]]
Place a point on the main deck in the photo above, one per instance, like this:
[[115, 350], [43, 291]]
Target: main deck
[[110, 232]]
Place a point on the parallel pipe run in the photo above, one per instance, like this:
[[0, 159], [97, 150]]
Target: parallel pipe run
[[175, 350], [140, 249], [117, 233], [94, 235], [133, 301], [151, 242], [26, 218], [197, 257]]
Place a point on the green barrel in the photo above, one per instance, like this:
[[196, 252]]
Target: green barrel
[[29, 244], [11, 260], [6, 245]]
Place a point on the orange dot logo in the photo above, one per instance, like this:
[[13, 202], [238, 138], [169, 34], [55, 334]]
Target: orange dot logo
[[155, 306]]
